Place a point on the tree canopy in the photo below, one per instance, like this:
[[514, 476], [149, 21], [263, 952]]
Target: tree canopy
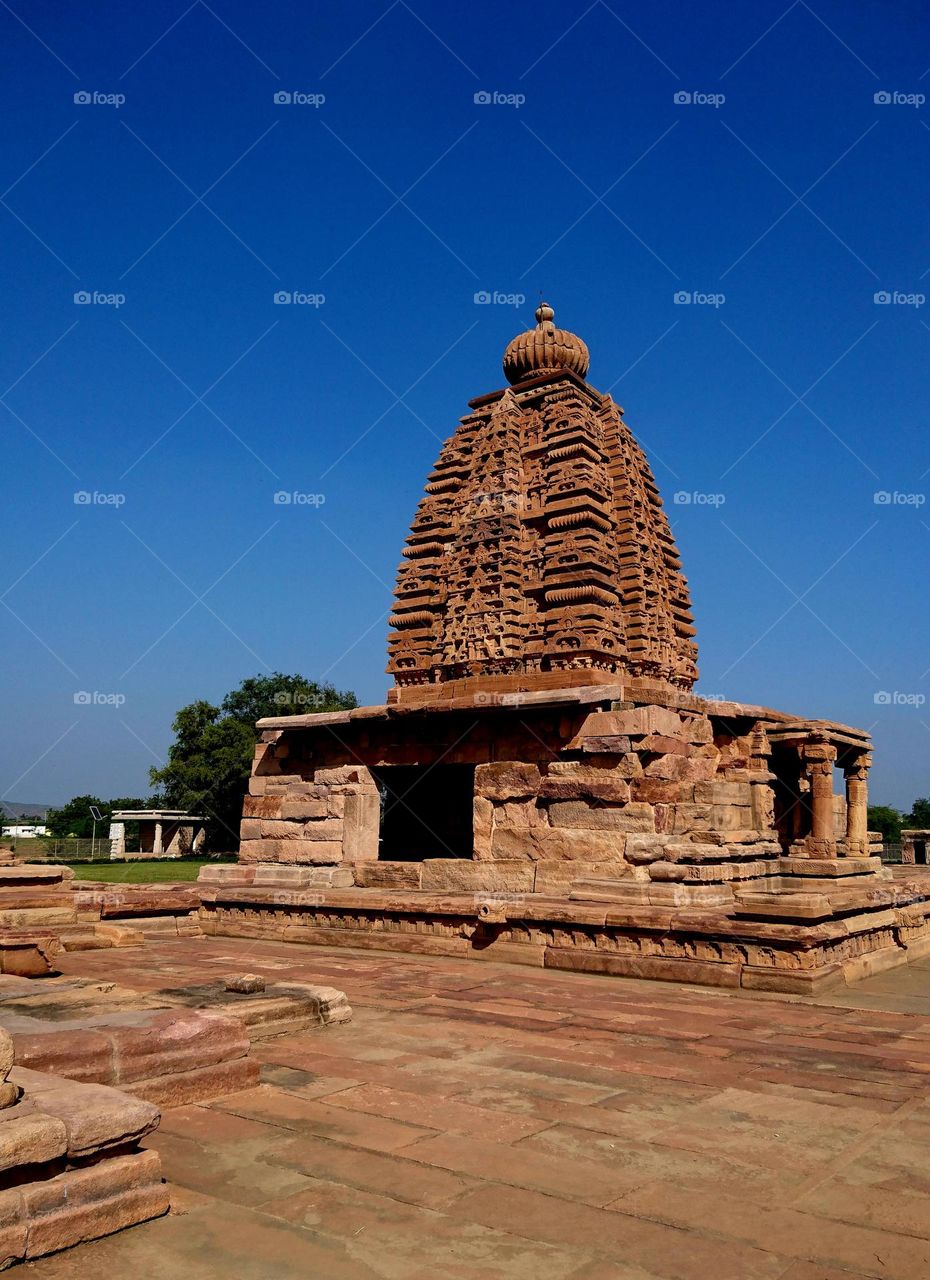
[[210, 760], [886, 820], [919, 815], [73, 818]]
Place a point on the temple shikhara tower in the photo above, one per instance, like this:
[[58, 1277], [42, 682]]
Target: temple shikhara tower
[[542, 785], [541, 551]]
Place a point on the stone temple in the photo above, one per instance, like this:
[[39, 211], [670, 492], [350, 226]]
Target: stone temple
[[541, 785]]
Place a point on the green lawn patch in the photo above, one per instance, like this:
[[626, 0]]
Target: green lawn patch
[[139, 872]]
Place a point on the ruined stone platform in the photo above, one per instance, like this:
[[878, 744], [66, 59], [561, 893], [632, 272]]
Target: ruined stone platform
[[175, 1045], [543, 1126]]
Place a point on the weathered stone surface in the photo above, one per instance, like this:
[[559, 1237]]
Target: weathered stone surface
[[556, 878], [459, 875], [268, 850], [629, 817], [95, 1117], [246, 983], [387, 875], [543, 844], [28, 1136], [507, 780], [611, 790]]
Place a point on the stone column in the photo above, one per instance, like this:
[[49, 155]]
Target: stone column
[[818, 759], [156, 844], [857, 803]]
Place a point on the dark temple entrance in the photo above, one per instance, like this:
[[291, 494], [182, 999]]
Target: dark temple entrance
[[426, 811]]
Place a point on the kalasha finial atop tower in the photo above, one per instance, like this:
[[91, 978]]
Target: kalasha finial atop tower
[[544, 349]]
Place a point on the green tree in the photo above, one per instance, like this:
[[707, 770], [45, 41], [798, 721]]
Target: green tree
[[210, 760], [73, 818], [886, 820], [919, 815]]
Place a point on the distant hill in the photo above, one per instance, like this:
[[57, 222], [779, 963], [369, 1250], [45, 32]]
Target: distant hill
[[12, 809]]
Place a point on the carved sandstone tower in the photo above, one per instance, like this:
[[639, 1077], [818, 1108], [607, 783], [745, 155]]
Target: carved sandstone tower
[[540, 555]]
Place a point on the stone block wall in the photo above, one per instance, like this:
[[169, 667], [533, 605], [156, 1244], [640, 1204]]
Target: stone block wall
[[641, 792], [330, 816]]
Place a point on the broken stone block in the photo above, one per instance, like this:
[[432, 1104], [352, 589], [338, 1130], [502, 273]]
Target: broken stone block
[[245, 983]]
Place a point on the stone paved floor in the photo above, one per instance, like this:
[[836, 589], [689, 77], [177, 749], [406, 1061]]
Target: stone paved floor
[[480, 1120]]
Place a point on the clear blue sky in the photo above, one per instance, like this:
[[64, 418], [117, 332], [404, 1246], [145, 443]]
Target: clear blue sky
[[398, 198]]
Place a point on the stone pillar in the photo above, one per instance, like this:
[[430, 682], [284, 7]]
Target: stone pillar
[[819, 757], [908, 847], [857, 803], [156, 844]]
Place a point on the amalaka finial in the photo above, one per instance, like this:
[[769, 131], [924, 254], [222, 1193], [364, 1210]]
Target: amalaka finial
[[544, 349]]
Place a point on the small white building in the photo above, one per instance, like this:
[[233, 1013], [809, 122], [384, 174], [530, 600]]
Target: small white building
[[25, 831]]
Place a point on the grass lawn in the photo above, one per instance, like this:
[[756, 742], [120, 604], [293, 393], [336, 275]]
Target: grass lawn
[[139, 872]]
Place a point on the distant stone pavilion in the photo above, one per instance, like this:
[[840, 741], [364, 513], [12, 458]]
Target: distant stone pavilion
[[542, 785]]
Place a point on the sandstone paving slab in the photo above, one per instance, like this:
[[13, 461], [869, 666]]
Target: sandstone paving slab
[[214, 1242], [577, 1179], [307, 1115], [661, 1250], [787, 1230], [235, 1172], [680, 1134], [442, 1114], [388, 1175], [401, 1240]]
